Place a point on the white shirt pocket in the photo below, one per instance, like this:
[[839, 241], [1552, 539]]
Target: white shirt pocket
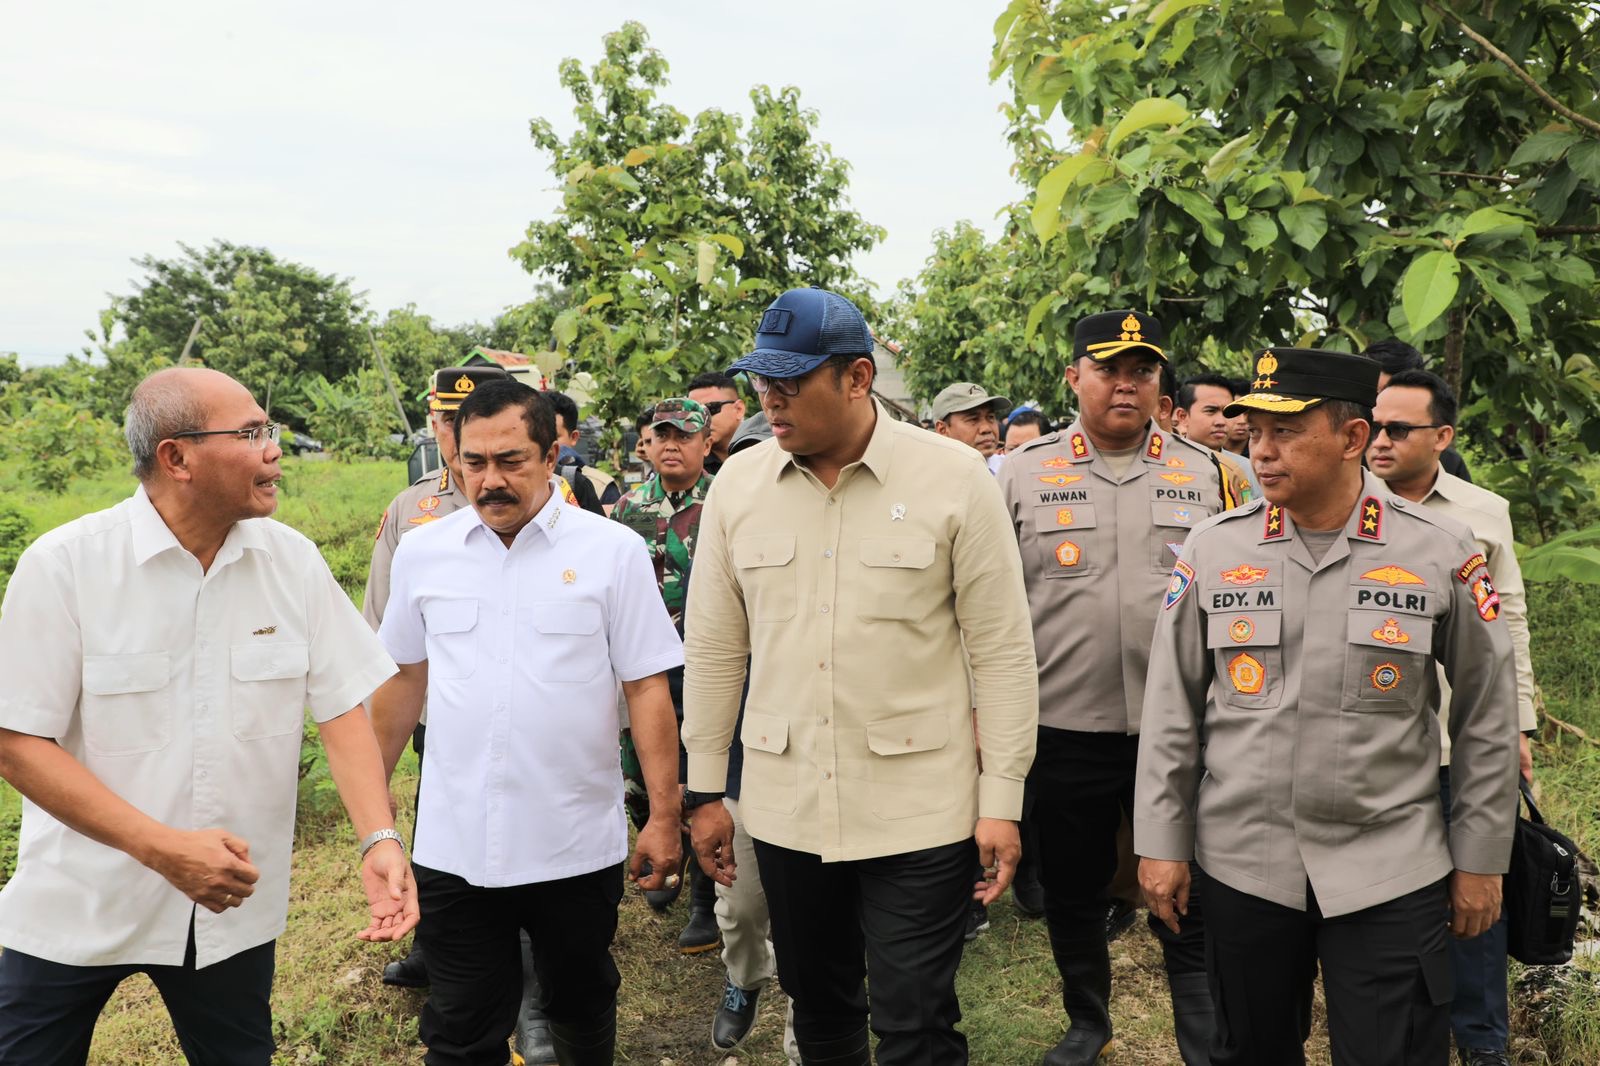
[[124, 708], [452, 642], [571, 649], [269, 688]]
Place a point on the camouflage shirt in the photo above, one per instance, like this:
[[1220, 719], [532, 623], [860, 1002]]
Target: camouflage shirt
[[669, 523]]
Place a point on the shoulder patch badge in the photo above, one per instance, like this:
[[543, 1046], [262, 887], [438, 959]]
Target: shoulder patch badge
[[1371, 526], [1080, 447], [1244, 574], [1182, 578], [1247, 673], [1392, 575], [1487, 598], [1464, 574], [1274, 528]]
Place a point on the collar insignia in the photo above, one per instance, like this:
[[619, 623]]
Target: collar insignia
[[1371, 526], [1080, 447], [1154, 451], [1274, 523]]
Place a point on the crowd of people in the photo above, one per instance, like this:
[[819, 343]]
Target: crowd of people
[[1230, 649]]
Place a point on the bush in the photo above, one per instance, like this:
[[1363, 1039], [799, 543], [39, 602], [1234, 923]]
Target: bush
[[16, 533], [56, 442], [353, 419]]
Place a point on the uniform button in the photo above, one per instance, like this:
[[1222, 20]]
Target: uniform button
[[823, 720], [201, 774], [824, 608], [832, 502], [908, 742], [760, 557], [505, 610], [503, 660], [822, 666], [826, 776], [895, 557], [827, 553], [203, 707], [763, 740]]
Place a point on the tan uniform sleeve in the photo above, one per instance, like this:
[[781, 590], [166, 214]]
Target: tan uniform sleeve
[[1507, 571], [1167, 782], [716, 648], [1476, 656], [376, 597], [992, 611]]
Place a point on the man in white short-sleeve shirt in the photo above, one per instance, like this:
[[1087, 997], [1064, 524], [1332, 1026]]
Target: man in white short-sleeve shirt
[[516, 619], [160, 657]]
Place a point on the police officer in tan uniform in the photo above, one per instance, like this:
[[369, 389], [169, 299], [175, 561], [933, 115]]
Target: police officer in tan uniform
[[1308, 790], [1101, 510]]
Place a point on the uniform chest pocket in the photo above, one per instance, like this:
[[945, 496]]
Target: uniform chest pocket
[[1066, 541], [1169, 527], [767, 576], [572, 649], [895, 584], [1247, 646], [269, 688], [1389, 661], [452, 638], [124, 706]]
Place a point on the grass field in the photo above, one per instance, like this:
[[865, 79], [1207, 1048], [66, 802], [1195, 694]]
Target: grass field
[[330, 1007]]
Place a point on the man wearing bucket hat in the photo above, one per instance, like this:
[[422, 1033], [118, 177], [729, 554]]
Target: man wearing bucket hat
[[1308, 791], [1100, 510], [867, 572], [967, 413]]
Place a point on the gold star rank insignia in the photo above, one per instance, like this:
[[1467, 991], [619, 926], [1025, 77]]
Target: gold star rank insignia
[[1274, 522], [1371, 519]]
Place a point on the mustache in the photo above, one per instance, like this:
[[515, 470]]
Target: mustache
[[496, 496]]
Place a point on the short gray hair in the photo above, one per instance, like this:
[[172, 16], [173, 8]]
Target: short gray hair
[[162, 405]]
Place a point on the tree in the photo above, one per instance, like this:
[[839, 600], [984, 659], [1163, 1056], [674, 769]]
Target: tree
[[673, 236], [1282, 171], [324, 318]]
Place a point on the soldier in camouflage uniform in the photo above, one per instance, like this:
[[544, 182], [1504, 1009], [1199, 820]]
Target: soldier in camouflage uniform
[[665, 511]]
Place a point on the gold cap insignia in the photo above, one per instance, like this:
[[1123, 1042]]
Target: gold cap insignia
[[1266, 366], [464, 384], [1130, 329]]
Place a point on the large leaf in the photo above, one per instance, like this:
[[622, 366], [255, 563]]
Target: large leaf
[[1574, 555], [1259, 231], [1543, 147], [1428, 287], [730, 242], [1305, 224], [1156, 111], [705, 262], [1052, 187], [1504, 295], [636, 156], [1165, 12], [1201, 209], [1221, 163], [1489, 220], [1584, 159], [1041, 307]]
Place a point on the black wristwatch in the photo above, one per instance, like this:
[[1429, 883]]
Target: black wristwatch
[[692, 799]]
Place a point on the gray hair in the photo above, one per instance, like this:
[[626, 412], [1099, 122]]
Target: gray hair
[[162, 404]]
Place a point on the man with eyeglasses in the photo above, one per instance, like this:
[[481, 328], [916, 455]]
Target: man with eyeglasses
[[866, 571], [159, 658], [719, 395], [1414, 425]]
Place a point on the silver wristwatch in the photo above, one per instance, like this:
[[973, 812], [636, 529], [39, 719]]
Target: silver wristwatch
[[382, 834]]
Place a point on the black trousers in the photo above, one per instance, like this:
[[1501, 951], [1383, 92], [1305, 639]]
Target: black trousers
[[1078, 792], [1385, 974], [896, 921], [475, 958], [222, 1014]]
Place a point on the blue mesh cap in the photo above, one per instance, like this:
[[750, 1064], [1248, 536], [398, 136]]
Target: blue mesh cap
[[801, 330]]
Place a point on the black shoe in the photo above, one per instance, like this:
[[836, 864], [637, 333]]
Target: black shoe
[[1484, 1056], [701, 934], [534, 1046], [1085, 966], [409, 972], [1120, 916], [734, 1019], [977, 922]]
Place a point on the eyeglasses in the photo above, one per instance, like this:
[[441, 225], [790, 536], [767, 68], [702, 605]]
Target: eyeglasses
[[782, 386], [713, 406], [257, 436], [1399, 431]]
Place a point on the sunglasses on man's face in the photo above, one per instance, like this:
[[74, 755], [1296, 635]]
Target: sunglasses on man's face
[[713, 406], [1399, 431]]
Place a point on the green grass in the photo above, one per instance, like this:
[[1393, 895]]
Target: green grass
[[330, 1007]]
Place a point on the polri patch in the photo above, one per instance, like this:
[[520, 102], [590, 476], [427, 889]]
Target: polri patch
[[1182, 578], [1247, 673], [1386, 677]]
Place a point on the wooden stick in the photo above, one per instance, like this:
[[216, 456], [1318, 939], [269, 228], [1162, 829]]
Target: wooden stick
[[1568, 727]]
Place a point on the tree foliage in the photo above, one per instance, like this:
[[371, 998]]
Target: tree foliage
[[1282, 171], [672, 235], [53, 442], [353, 418], [240, 295]]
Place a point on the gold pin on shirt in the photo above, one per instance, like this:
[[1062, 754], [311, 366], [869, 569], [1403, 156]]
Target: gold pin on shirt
[[568, 577]]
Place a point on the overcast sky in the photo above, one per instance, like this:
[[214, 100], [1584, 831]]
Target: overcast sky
[[388, 143]]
